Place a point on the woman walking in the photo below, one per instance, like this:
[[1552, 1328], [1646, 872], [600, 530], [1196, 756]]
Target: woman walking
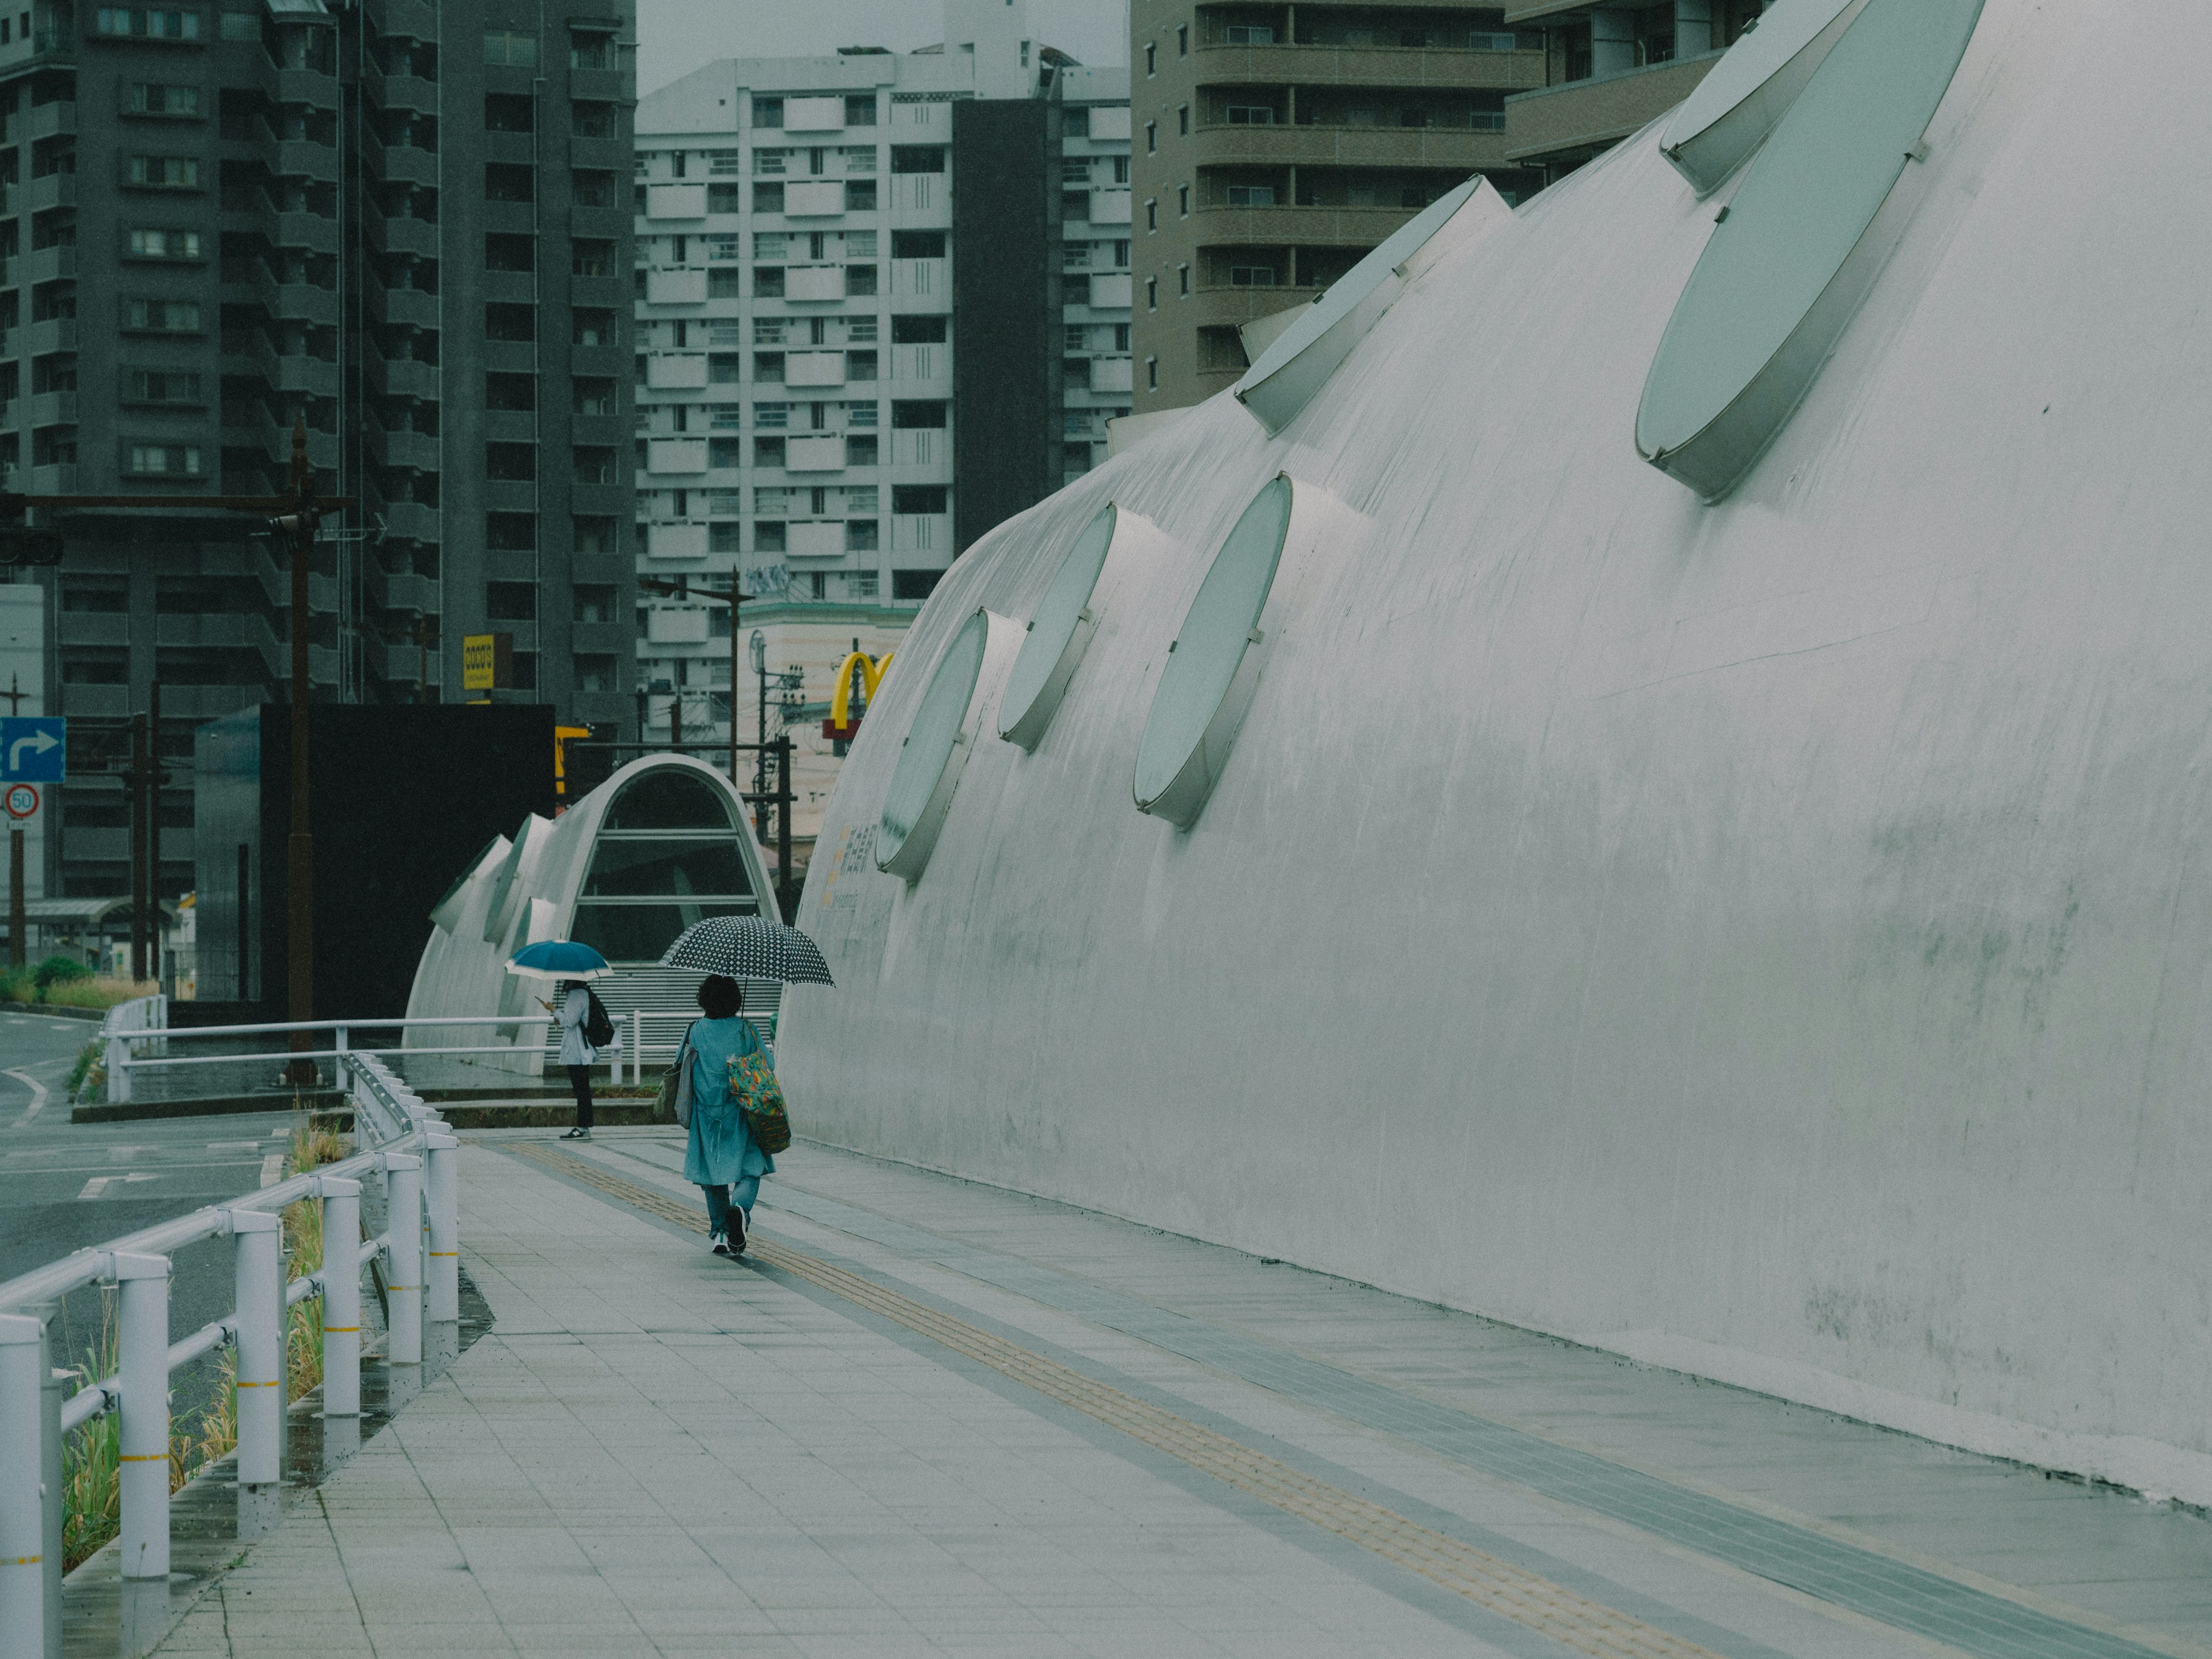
[[576, 1053], [721, 1158]]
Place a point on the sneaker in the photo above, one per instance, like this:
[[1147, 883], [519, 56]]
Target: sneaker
[[736, 1231], [577, 1134], [721, 1245]]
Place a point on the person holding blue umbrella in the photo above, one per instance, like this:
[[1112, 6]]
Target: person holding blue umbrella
[[585, 1027]]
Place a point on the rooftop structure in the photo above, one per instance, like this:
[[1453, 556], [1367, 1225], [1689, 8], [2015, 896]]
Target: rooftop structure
[[1639, 775]]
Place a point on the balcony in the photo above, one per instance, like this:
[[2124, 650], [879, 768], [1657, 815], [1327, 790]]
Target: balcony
[[605, 224], [48, 120], [1572, 121], [403, 377], [59, 480], [679, 285], [602, 86], [1454, 67], [1109, 291], [599, 293], [310, 231], [676, 455], [296, 371], [612, 500], [814, 368], [1212, 307], [408, 305], [1459, 148], [416, 450], [823, 454], [297, 302], [411, 20], [596, 639], [299, 158], [400, 591], [231, 630], [1298, 227], [44, 264], [814, 283], [675, 200], [606, 362], [407, 92], [676, 371], [818, 540], [403, 162], [55, 189], [295, 86], [92, 628], [812, 198], [55, 334], [52, 409], [401, 235], [1109, 207], [410, 522], [603, 154]]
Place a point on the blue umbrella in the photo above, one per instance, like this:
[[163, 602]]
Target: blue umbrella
[[558, 959]]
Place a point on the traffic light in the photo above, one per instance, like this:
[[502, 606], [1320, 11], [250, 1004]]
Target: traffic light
[[18, 543]]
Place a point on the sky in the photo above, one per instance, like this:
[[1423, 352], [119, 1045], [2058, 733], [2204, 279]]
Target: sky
[[675, 37]]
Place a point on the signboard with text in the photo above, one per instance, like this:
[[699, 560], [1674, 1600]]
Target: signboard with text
[[486, 661]]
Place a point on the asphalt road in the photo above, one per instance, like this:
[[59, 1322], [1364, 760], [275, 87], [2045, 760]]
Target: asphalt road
[[64, 1186]]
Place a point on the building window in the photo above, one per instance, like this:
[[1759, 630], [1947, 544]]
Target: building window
[[1182, 39], [1120, 169], [165, 461], [1151, 137], [1251, 195], [590, 50], [918, 414], [162, 386], [768, 199], [769, 535], [1251, 34], [1152, 213], [1253, 115], [913, 499], [1152, 374], [917, 245], [860, 449], [165, 245], [142, 98], [1182, 120], [1152, 294], [1152, 59], [162, 171], [862, 536], [860, 414], [860, 109], [772, 415], [511, 47], [1251, 276], [1182, 201], [768, 112], [161, 316], [917, 584], [1182, 280], [147, 25], [917, 158], [510, 111]]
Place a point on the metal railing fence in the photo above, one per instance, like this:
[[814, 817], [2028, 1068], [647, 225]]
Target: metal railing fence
[[412, 1157]]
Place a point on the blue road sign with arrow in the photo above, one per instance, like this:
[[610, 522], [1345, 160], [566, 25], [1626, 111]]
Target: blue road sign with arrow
[[33, 748]]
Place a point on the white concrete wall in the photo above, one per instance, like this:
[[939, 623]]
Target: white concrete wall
[[1772, 939]]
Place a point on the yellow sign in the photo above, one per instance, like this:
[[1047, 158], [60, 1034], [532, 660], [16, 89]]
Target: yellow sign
[[872, 676], [487, 662]]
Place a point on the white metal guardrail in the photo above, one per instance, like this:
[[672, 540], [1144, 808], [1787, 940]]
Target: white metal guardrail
[[126, 1045], [420, 1248]]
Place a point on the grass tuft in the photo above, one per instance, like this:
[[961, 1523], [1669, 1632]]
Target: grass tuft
[[99, 991]]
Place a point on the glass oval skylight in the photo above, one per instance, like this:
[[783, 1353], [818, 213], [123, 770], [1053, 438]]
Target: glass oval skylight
[[1205, 685], [1058, 636], [1751, 88], [1792, 256], [1288, 372], [932, 757]]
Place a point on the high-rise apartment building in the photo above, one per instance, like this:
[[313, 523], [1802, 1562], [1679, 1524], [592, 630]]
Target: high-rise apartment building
[[1276, 144], [402, 222], [882, 305], [1610, 69]]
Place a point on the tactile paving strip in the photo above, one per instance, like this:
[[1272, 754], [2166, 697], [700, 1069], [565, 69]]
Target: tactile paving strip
[[1524, 1597]]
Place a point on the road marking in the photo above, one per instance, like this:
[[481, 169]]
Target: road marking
[[1513, 1592], [38, 1096], [272, 1169], [98, 1186]]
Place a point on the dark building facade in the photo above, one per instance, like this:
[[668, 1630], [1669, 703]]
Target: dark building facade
[[1007, 375], [401, 798], [403, 223]]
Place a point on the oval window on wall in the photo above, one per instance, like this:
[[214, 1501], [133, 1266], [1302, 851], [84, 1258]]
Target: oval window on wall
[[1751, 88], [943, 732], [1212, 667], [1798, 248], [1058, 636]]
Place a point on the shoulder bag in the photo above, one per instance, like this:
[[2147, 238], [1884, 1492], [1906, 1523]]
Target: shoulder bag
[[760, 1098], [674, 1105]]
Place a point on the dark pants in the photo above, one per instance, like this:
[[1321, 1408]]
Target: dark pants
[[580, 1080]]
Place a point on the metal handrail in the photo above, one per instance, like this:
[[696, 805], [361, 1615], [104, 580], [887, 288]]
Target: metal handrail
[[413, 1144]]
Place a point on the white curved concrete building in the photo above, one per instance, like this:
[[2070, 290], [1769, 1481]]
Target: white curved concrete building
[[1768, 935], [661, 845]]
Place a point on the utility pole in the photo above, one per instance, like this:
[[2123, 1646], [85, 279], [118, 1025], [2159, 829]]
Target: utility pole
[[299, 528], [737, 602], [138, 786], [155, 777], [760, 753], [786, 898], [422, 636]]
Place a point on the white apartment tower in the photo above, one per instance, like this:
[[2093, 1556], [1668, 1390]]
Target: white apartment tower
[[813, 350]]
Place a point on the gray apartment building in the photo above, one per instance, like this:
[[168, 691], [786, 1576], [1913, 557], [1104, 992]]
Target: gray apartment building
[[404, 222]]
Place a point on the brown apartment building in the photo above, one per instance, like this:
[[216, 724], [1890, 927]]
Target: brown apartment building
[[1274, 145]]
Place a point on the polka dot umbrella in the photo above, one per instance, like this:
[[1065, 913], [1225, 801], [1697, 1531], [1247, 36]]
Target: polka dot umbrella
[[749, 947]]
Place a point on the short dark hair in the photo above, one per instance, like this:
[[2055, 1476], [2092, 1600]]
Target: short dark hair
[[720, 996]]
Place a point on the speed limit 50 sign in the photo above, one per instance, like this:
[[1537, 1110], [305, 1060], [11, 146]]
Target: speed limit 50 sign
[[21, 800]]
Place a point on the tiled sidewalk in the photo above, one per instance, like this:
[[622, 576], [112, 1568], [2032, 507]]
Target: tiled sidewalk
[[942, 1419]]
